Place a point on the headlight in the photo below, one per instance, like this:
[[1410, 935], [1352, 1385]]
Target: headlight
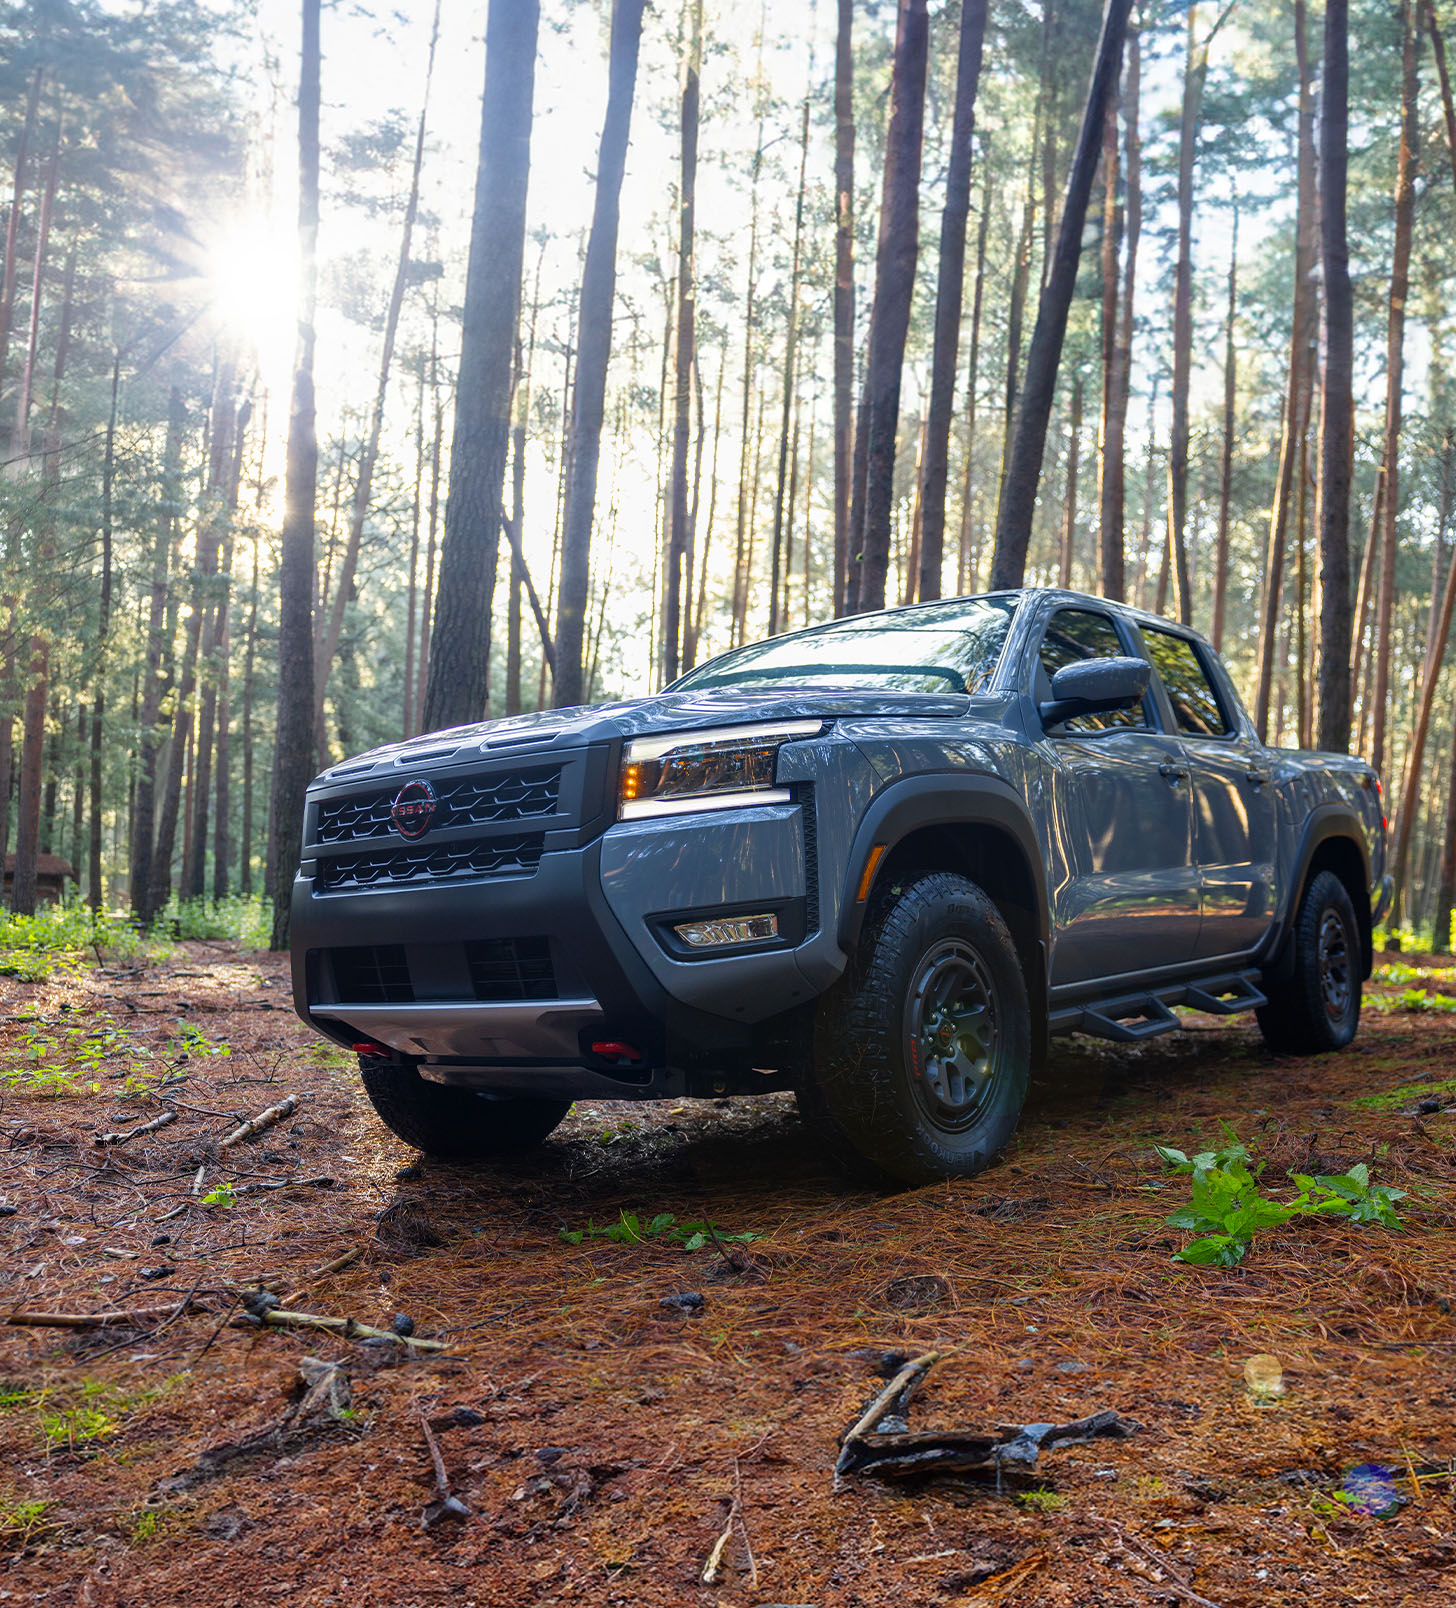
[[715, 769]]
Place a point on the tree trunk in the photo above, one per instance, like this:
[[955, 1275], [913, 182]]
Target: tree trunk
[[950, 274], [457, 689], [1069, 512], [1195, 72], [895, 260], [293, 754], [245, 846], [843, 298], [12, 225], [1226, 455], [778, 581], [967, 565], [1337, 413], [1111, 243], [1301, 378], [1013, 522], [594, 349], [412, 595], [20, 445], [32, 756], [103, 628], [144, 809], [328, 644], [427, 609], [1412, 18], [677, 582]]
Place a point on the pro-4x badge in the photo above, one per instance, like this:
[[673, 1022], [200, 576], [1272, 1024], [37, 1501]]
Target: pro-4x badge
[[413, 809]]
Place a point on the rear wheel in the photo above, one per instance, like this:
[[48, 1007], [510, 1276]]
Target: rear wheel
[[455, 1124], [1318, 1008], [923, 1049]]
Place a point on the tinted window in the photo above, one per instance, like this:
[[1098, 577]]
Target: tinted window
[[1196, 708], [942, 647], [1074, 635]]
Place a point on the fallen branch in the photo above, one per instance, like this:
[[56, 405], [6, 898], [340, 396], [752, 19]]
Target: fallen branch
[[349, 1328], [318, 1181], [446, 1505], [133, 1133], [896, 1394], [99, 1320], [263, 1121]]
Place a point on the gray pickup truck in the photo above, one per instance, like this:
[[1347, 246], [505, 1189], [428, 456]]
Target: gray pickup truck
[[877, 862]]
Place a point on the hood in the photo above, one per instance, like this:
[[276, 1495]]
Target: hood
[[668, 711]]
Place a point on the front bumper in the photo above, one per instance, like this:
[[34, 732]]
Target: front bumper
[[606, 910]]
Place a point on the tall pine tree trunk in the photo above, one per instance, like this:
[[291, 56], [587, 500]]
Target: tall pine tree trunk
[[594, 349], [1226, 453], [950, 273], [1413, 19], [895, 259], [103, 630], [843, 297], [1018, 501], [293, 754], [1301, 378], [456, 689], [1337, 412], [778, 582], [967, 564]]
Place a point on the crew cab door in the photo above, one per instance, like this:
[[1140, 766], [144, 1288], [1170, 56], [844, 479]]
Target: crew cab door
[[1235, 831], [1131, 900]]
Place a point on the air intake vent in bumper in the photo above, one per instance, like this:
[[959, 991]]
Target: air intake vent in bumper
[[510, 969], [375, 974]]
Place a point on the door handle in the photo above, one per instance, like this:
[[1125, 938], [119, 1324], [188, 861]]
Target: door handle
[[1172, 773], [1257, 778]]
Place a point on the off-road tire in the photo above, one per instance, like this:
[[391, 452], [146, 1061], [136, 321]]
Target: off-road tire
[[881, 1116], [1317, 1009], [454, 1124]]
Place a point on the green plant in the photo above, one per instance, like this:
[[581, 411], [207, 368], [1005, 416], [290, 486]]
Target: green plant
[[629, 1229], [194, 1042], [1415, 1002], [222, 1195], [1406, 1094], [21, 1519], [1041, 1501], [76, 1426], [248, 919], [1227, 1207], [143, 1529]]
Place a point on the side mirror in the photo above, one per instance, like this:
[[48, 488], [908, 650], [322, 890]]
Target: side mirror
[[1096, 687]]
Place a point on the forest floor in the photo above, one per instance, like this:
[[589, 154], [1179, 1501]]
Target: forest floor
[[602, 1441]]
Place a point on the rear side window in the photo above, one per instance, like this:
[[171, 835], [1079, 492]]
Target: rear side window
[[1196, 706], [1074, 635]]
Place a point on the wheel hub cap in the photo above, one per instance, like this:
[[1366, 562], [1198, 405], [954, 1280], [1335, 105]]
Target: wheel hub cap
[[1334, 965], [952, 1034]]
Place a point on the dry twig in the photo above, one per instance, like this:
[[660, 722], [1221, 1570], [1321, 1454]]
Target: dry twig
[[99, 1320], [349, 1328], [446, 1505], [263, 1121], [132, 1133]]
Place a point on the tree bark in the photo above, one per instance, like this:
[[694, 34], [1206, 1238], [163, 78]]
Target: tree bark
[[457, 689], [32, 756], [778, 580], [1069, 511], [950, 275], [677, 582], [895, 259], [1109, 564], [1408, 160], [103, 630], [1013, 523], [843, 298], [1301, 377], [1112, 511], [968, 565], [1226, 454], [293, 754], [594, 349], [12, 225]]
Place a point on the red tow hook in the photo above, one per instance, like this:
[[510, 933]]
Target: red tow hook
[[616, 1051], [369, 1047]]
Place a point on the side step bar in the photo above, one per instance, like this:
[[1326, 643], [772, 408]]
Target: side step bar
[[1131, 1018]]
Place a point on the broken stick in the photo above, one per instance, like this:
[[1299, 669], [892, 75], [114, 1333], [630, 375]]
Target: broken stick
[[349, 1328], [99, 1320], [446, 1505], [897, 1392], [263, 1121], [133, 1133]]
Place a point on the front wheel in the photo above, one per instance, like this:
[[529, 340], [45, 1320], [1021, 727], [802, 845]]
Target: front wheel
[[454, 1124], [922, 1050], [1318, 1008]]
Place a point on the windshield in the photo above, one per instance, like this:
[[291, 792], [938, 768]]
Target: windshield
[[940, 647]]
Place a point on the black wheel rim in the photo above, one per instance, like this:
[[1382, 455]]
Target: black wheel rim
[[1336, 987], [952, 1038]]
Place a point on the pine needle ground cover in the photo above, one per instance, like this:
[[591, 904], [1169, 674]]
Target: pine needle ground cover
[[659, 1325]]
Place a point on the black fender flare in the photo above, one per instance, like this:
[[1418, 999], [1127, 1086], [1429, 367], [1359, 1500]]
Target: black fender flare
[[941, 800], [1324, 822]]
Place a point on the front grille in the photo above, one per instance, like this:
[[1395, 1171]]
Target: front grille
[[437, 862], [507, 969], [480, 800], [373, 975]]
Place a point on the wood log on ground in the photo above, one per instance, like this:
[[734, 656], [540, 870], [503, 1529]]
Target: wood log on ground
[[121, 1138], [99, 1320], [263, 1121], [349, 1328]]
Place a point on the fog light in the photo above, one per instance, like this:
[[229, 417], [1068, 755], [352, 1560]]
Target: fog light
[[728, 930]]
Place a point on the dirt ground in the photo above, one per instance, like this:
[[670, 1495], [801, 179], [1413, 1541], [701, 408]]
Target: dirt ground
[[602, 1441]]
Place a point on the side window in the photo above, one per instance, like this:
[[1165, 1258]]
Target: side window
[[1196, 706], [1073, 635]]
